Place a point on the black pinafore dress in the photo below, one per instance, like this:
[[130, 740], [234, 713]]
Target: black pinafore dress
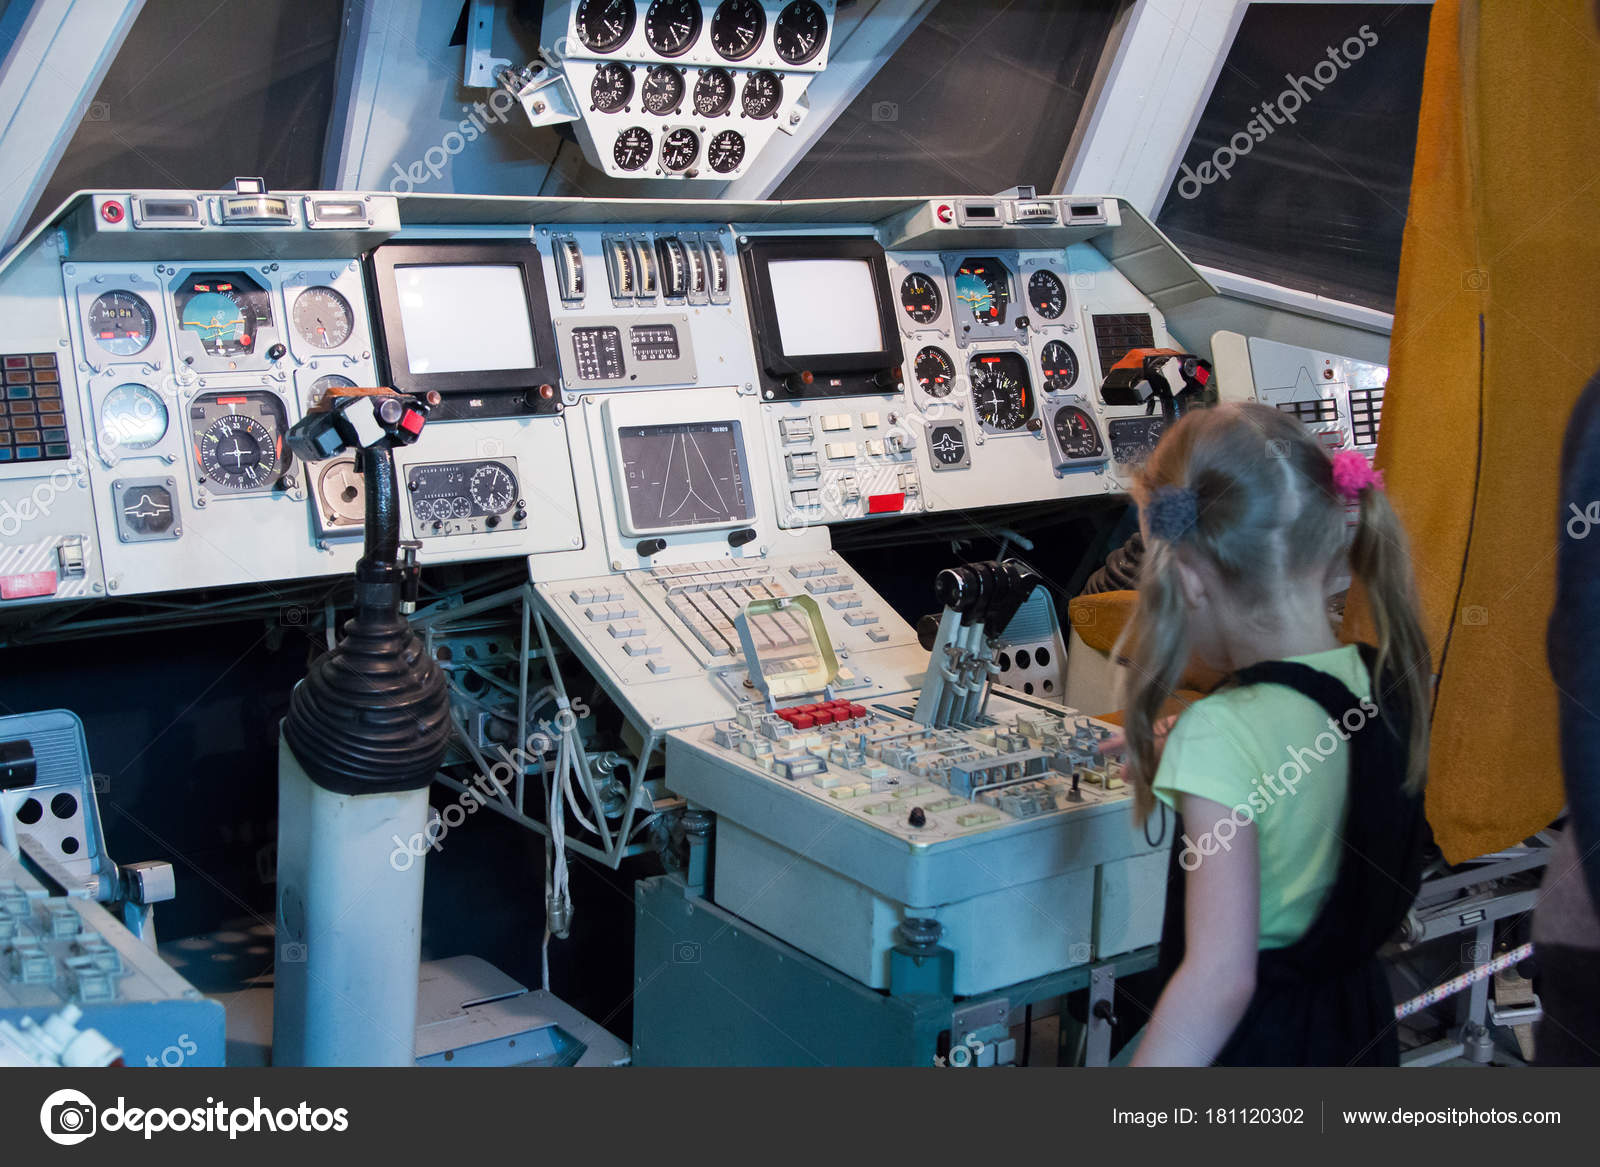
[[1325, 1000]]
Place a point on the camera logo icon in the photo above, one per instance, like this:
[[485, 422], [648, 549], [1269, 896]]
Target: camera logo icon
[[68, 1117], [1474, 616], [292, 952], [686, 952]]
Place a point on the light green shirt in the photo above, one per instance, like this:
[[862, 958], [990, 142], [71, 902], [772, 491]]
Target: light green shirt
[[1269, 754]]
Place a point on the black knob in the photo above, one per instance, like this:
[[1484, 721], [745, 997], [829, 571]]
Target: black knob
[[742, 536], [1104, 1012], [277, 351], [648, 547], [919, 817], [492, 521], [520, 513]]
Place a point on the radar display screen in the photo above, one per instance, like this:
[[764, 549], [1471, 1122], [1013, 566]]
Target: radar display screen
[[684, 475]]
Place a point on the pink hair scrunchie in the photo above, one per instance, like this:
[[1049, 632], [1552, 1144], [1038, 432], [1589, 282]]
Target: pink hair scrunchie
[[1352, 474]]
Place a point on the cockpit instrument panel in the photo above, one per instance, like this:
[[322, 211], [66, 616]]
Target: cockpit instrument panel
[[741, 68]]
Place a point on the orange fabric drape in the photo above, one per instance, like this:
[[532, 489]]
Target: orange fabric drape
[[1497, 330]]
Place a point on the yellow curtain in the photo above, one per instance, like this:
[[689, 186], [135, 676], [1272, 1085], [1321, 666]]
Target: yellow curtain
[[1497, 330]]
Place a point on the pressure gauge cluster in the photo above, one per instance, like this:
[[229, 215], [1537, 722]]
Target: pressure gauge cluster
[[691, 89]]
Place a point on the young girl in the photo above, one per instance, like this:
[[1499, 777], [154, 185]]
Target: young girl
[[1299, 830]]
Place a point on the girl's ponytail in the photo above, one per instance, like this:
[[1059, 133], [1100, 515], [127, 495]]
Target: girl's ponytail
[[1156, 646], [1380, 559]]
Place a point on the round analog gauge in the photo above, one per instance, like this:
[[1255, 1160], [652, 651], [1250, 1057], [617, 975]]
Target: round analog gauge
[[460, 508], [612, 87], [121, 323], [329, 381], [633, 148], [1059, 364], [1076, 433], [132, 417], [737, 28], [663, 88], [713, 93], [1047, 294], [605, 24], [800, 31], [237, 452], [920, 297], [763, 93], [679, 149], [948, 445], [1001, 393], [322, 317], [672, 26], [342, 493], [935, 373], [726, 152], [224, 316], [493, 488], [984, 286]]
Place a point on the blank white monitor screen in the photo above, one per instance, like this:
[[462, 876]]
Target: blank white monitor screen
[[464, 317], [825, 306]]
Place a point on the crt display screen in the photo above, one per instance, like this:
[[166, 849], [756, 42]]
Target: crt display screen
[[686, 474], [464, 317], [825, 306]]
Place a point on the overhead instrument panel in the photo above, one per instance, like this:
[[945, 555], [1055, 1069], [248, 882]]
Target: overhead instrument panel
[[470, 321], [683, 88]]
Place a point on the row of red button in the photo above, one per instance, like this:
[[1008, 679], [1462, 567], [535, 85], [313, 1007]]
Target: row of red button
[[810, 716]]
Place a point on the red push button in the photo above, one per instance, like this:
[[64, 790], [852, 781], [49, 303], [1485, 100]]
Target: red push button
[[802, 721], [882, 504], [22, 587]]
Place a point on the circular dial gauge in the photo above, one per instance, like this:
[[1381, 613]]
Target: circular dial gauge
[[132, 417], [713, 93], [1047, 294], [985, 288], [799, 32], [342, 492], [237, 452], [672, 26], [679, 149], [322, 317], [763, 93], [920, 297], [612, 87], [633, 148], [663, 89], [935, 373], [492, 488], [726, 152], [948, 445], [1059, 364], [605, 24], [222, 317], [121, 323], [1001, 393], [737, 28], [1076, 433], [329, 381]]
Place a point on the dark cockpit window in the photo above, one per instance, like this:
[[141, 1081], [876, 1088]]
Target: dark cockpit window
[[202, 93], [1299, 172]]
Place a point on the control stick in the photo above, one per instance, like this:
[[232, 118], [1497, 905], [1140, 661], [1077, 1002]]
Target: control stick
[[366, 731]]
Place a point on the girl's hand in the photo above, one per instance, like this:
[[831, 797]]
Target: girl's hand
[[1118, 742]]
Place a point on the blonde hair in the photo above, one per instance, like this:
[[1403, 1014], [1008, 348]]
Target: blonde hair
[[1266, 512]]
